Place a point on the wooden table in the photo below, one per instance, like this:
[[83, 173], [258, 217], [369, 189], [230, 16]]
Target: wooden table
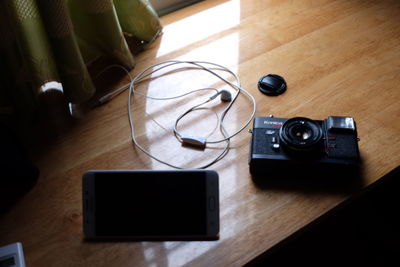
[[339, 58]]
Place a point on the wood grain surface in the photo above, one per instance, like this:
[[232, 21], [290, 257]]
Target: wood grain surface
[[338, 57]]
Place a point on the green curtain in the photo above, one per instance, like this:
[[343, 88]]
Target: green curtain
[[42, 41]]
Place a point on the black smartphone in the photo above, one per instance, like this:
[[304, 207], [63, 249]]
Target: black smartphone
[[151, 205]]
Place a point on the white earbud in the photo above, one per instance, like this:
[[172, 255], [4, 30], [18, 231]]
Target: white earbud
[[226, 96]]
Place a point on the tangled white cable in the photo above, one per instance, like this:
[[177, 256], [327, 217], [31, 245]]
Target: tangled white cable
[[187, 139]]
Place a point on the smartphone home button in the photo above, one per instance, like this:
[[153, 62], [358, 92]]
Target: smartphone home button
[[211, 203]]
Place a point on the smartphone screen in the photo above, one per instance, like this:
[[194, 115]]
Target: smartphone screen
[[151, 204]]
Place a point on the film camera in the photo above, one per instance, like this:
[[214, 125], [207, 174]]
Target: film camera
[[297, 144]]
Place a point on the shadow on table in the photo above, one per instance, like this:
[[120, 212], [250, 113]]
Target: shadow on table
[[18, 173], [310, 180], [362, 231]]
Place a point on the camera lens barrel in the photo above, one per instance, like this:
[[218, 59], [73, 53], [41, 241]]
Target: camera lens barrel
[[301, 134]]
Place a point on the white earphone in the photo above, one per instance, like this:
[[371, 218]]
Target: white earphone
[[187, 139]]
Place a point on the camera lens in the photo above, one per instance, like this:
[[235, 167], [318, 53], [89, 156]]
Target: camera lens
[[301, 134]]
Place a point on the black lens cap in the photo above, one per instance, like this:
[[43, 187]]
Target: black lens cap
[[272, 84]]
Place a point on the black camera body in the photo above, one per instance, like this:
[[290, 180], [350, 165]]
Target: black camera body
[[298, 144]]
